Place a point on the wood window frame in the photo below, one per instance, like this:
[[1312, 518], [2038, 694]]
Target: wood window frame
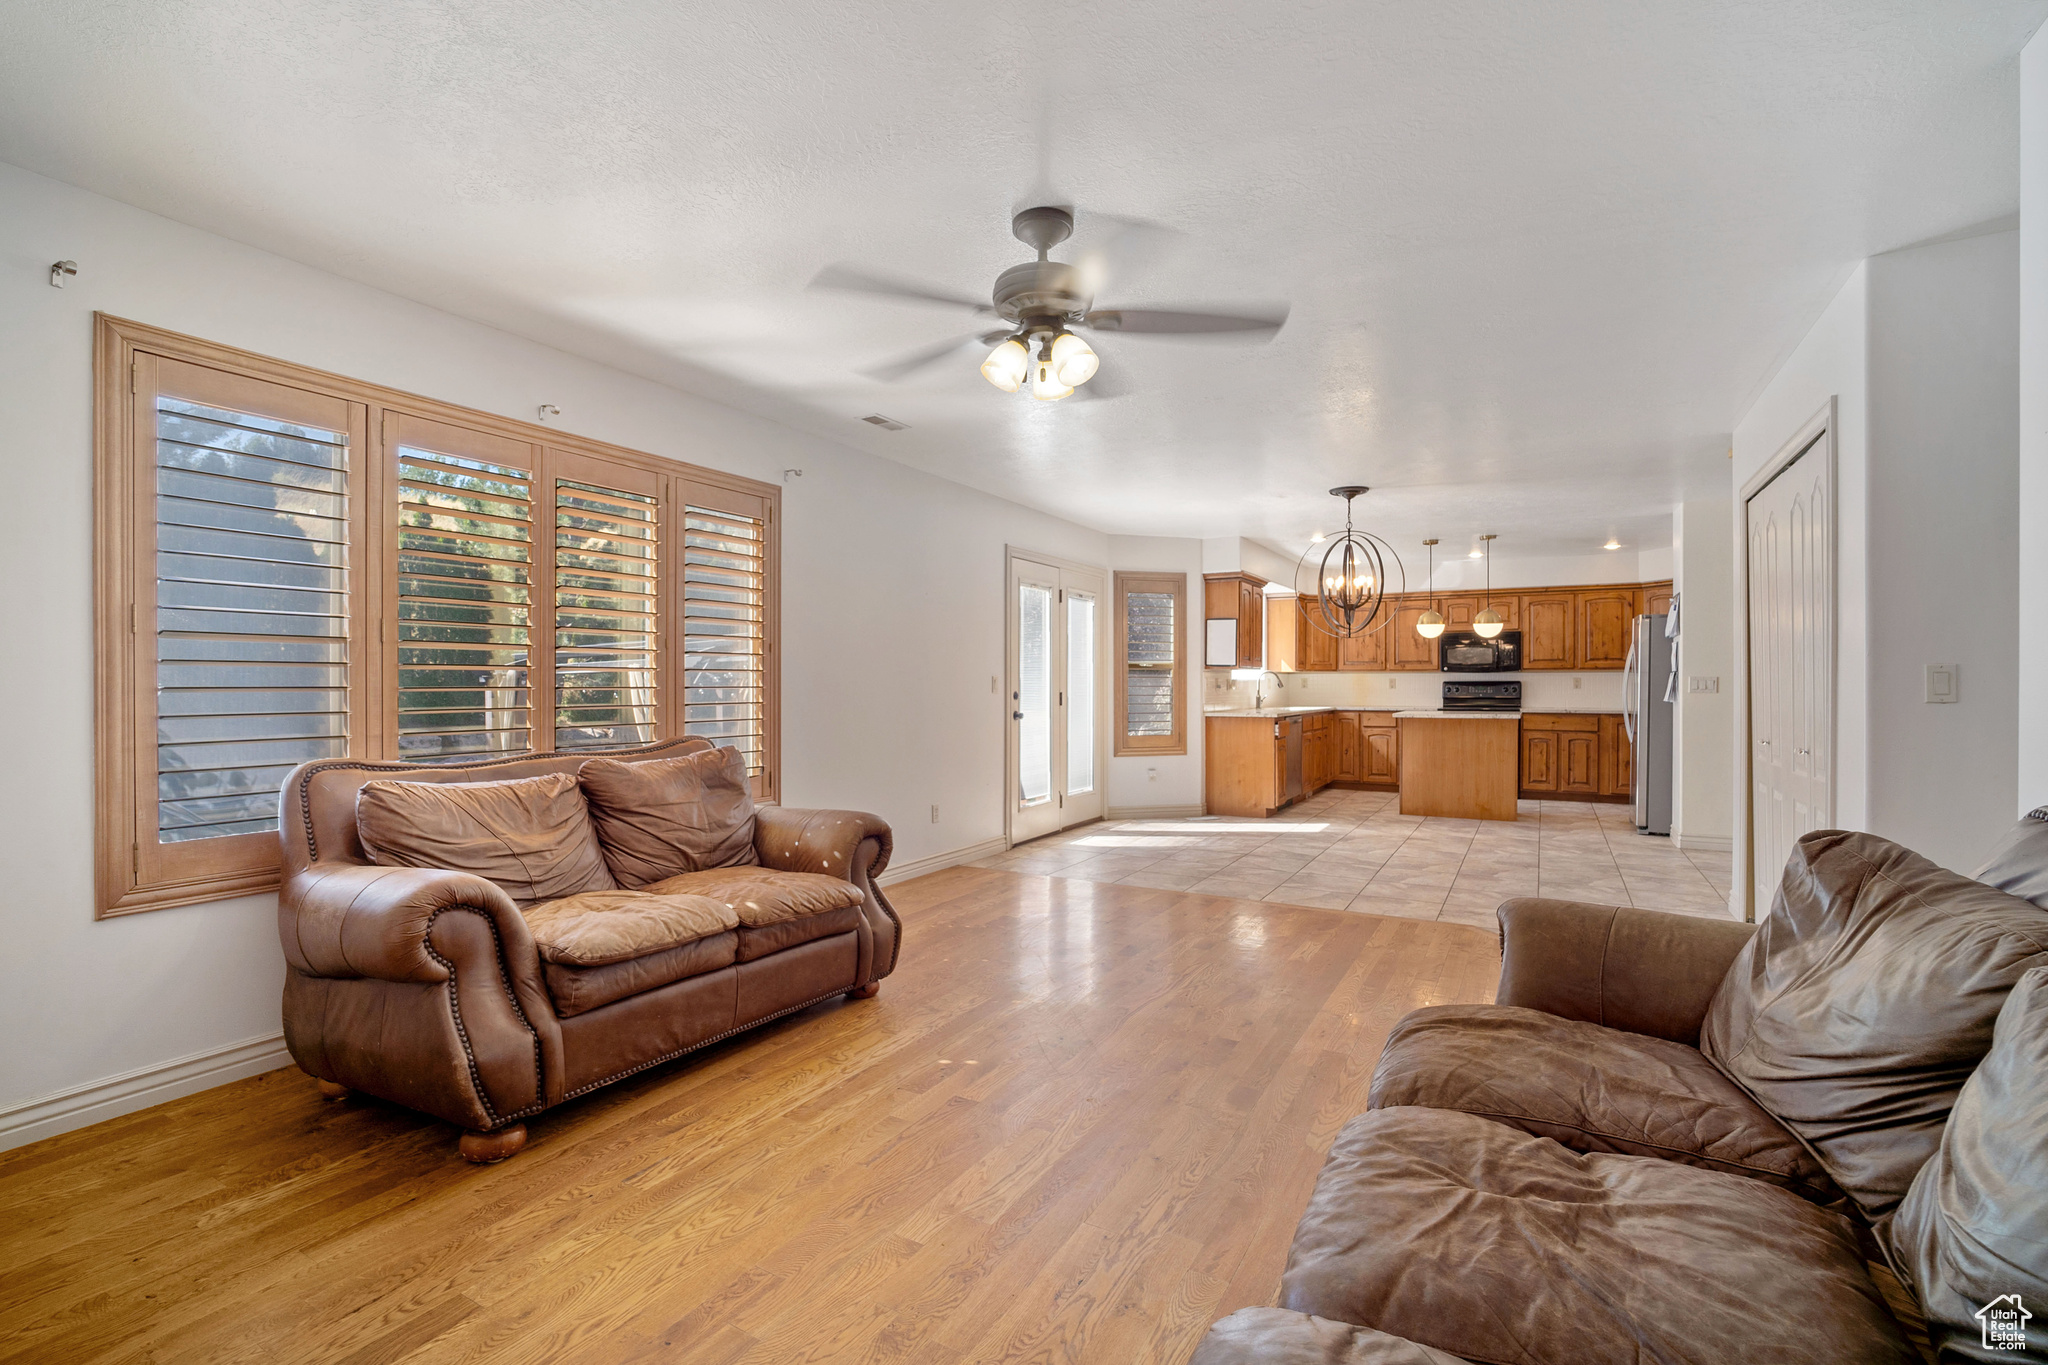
[[1123, 743], [130, 874]]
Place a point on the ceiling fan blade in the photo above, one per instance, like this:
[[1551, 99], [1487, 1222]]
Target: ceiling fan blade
[[892, 371], [860, 282], [1168, 322]]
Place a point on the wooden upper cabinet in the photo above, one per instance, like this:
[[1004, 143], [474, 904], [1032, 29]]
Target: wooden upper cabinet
[[1656, 598], [1239, 596], [1367, 649], [1296, 641], [1606, 619], [1458, 609], [1549, 630], [1409, 650], [1319, 647]]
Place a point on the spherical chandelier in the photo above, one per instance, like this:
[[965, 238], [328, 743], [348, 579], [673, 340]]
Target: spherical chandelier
[[1351, 577]]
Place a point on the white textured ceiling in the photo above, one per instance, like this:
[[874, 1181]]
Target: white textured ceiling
[[1539, 254]]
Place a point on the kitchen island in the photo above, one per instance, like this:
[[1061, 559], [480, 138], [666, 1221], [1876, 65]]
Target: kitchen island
[[1463, 764]]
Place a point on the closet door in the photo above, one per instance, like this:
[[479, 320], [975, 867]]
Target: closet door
[[1791, 665]]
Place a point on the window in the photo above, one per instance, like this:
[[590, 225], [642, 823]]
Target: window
[[1151, 664], [293, 566]]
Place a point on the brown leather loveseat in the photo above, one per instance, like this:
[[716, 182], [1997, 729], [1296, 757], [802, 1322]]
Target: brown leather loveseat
[[1817, 1141], [614, 924]]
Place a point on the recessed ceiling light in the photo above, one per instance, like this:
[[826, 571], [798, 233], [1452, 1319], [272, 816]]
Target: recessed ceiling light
[[1612, 544], [1476, 554], [1316, 539]]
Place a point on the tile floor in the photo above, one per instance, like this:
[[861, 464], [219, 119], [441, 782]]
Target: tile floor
[[1354, 850]]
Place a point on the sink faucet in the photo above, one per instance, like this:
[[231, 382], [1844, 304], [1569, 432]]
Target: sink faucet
[[1259, 694]]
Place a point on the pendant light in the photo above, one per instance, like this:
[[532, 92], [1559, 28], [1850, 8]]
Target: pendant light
[[1487, 623], [1430, 624], [1351, 577]]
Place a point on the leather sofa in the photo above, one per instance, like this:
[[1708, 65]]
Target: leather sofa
[[434, 989], [1822, 1139]]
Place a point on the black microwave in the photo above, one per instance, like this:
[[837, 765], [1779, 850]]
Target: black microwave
[[1464, 651]]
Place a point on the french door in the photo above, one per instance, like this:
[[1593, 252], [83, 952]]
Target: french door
[[1791, 664], [1056, 696]]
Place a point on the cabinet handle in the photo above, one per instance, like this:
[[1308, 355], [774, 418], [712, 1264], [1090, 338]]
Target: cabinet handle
[[1016, 715]]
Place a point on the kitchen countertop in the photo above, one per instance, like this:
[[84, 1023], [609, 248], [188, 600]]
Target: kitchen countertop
[[1271, 712], [1457, 715], [1282, 712]]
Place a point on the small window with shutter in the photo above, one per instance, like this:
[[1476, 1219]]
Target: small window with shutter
[[1151, 671], [725, 688]]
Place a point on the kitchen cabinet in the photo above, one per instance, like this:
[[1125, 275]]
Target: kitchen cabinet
[[1606, 617], [1409, 651], [1549, 630], [1380, 751], [1573, 755], [1254, 765], [1656, 598], [1347, 758], [1460, 610], [1368, 650], [1240, 597], [1617, 759], [1318, 751], [1295, 639]]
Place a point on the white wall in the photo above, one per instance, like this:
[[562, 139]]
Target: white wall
[[1921, 349], [1159, 784], [2032, 572], [893, 583], [1703, 768], [1943, 565]]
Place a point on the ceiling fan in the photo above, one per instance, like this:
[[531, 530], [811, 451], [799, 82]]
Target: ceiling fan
[[1043, 302]]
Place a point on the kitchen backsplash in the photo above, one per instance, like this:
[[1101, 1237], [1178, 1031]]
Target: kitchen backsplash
[[1598, 691]]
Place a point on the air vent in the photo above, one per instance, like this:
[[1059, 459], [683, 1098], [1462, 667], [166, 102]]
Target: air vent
[[885, 423]]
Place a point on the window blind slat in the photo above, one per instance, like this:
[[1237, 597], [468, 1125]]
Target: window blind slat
[[724, 624], [604, 662], [465, 564], [251, 613]]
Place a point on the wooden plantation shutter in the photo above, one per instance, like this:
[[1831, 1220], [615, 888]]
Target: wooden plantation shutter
[[291, 566], [726, 613], [238, 540], [1151, 663], [465, 610], [607, 568]]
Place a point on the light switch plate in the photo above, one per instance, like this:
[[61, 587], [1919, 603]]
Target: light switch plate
[[1703, 684], [1944, 681]]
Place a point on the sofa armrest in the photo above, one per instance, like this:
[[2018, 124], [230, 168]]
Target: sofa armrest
[[356, 920], [826, 841], [1279, 1336], [839, 843], [1643, 971]]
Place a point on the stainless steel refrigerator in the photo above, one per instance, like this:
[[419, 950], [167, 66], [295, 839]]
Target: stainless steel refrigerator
[[1645, 683]]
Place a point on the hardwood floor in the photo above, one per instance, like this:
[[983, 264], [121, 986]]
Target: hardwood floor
[[1078, 1124]]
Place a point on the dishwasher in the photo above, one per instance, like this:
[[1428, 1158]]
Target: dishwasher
[[1288, 733]]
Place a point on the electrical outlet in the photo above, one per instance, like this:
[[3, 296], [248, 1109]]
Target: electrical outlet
[[1390, 684], [1151, 774], [1703, 684], [1944, 681], [935, 815], [1577, 682]]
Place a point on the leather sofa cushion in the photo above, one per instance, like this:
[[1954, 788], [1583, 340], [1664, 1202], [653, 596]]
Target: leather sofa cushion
[[1974, 1226], [1274, 1336], [758, 942], [763, 895], [1864, 1002], [532, 836], [1591, 1088], [672, 815], [1484, 1241], [576, 990], [600, 927], [2019, 865]]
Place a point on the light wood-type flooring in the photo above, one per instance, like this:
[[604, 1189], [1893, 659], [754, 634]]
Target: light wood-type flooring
[[1078, 1124]]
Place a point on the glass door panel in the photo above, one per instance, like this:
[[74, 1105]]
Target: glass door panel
[[1081, 731]]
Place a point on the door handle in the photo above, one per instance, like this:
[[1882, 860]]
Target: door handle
[[1016, 715]]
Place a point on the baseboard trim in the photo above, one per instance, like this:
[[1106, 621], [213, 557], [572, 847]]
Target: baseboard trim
[[939, 862], [84, 1105], [1153, 812], [1703, 843]]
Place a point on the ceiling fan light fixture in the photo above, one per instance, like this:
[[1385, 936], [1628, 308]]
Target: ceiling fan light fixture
[[1007, 365], [1045, 384], [1072, 362]]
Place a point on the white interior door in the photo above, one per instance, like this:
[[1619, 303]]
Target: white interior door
[[1791, 664], [1056, 697]]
